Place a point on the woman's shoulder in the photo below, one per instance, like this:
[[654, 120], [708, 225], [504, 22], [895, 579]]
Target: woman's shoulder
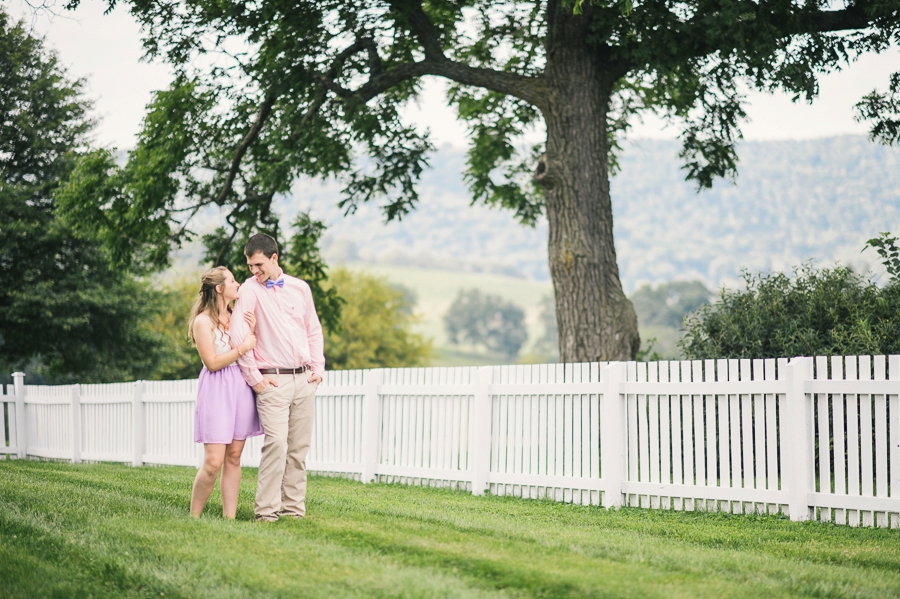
[[203, 321]]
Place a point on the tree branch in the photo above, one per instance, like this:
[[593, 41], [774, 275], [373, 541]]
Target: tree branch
[[227, 244], [839, 20], [362, 43], [827, 21], [264, 111], [530, 89]]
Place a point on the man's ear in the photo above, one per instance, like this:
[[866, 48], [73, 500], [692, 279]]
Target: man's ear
[[275, 258]]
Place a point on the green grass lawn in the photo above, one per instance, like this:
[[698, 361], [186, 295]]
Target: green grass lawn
[[113, 531]]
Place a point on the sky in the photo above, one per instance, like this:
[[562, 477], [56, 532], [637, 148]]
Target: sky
[[106, 51]]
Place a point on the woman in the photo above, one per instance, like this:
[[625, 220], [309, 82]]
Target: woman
[[226, 412]]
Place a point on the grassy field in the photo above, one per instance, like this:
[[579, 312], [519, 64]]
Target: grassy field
[[113, 531], [436, 290]]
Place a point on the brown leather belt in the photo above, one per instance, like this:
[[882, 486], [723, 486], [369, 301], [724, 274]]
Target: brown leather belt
[[297, 370]]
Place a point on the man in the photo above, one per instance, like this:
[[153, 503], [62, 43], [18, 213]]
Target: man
[[284, 370]]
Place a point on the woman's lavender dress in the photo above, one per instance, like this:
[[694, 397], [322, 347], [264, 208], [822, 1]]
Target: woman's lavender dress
[[226, 409]]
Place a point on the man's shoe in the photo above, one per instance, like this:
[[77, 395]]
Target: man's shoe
[[272, 518], [290, 515]]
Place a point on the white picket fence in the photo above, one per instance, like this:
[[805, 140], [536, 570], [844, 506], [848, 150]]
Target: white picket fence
[[811, 438]]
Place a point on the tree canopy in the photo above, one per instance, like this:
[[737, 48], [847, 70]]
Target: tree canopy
[[64, 310], [268, 92]]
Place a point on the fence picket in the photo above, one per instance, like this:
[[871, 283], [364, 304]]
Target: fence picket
[[723, 404], [734, 436], [853, 430], [4, 444], [631, 435], [699, 438], [654, 430], [881, 435], [746, 429], [772, 474], [643, 439], [665, 429], [709, 370], [677, 452], [867, 473], [759, 431], [894, 441]]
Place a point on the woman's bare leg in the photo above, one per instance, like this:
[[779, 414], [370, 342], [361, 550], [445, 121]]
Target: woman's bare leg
[[213, 456], [231, 478]]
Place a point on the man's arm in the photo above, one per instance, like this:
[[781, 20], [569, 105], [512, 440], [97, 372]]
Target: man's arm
[[314, 336], [239, 330]]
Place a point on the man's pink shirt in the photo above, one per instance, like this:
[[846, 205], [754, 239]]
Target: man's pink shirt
[[288, 333]]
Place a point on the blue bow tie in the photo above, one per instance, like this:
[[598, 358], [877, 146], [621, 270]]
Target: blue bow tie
[[270, 283]]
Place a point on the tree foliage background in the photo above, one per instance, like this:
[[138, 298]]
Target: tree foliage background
[[65, 312], [486, 321], [375, 327]]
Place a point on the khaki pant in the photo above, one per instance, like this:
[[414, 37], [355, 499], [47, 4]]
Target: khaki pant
[[286, 415]]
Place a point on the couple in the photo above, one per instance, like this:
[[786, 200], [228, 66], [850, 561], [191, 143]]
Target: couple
[[271, 341]]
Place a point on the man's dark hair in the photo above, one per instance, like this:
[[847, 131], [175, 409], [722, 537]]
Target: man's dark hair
[[261, 243]]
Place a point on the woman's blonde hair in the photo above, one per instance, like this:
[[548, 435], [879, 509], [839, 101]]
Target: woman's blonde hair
[[208, 300]]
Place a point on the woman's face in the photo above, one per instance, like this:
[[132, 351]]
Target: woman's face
[[229, 289]]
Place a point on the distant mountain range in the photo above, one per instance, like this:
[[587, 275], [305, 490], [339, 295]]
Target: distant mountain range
[[793, 201]]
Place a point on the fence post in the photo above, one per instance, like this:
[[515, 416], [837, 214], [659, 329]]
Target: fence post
[[75, 414], [21, 425], [137, 421], [612, 433], [371, 422], [480, 452], [3, 423], [797, 439]]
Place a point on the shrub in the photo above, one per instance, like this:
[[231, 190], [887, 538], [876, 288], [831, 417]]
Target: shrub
[[816, 312]]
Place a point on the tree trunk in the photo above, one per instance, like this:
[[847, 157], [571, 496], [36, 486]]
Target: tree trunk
[[596, 321]]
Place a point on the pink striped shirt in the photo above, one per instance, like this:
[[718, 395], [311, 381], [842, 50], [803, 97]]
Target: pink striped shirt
[[288, 333]]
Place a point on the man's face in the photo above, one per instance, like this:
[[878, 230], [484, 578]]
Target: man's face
[[264, 268]]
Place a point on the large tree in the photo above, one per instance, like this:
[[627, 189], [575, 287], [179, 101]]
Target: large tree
[[64, 310], [269, 91]]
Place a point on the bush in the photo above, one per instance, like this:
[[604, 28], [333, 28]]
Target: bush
[[375, 325], [815, 313]]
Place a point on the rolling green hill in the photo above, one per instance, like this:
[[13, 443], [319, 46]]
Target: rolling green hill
[[435, 290]]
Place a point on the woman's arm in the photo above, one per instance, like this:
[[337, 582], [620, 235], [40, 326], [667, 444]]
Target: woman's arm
[[204, 334]]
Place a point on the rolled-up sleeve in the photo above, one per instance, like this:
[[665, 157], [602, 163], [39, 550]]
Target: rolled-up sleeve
[[246, 302]]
